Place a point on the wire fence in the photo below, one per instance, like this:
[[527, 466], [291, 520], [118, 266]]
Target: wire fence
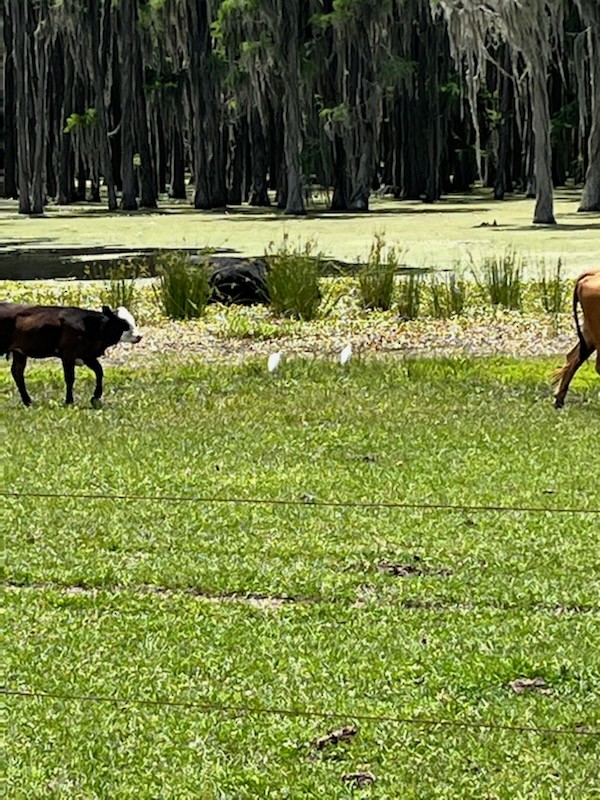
[[307, 502], [263, 711]]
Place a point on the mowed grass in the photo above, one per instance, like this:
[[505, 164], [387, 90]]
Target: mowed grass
[[387, 612]]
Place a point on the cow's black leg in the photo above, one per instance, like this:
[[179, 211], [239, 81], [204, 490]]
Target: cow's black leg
[[69, 371], [96, 368], [18, 373]]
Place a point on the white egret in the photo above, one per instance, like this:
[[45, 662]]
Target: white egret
[[346, 354], [274, 361]]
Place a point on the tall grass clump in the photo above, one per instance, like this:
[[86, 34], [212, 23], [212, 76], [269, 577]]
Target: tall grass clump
[[410, 294], [552, 287], [447, 295], [500, 280], [376, 277], [120, 288], [293, 279], [184, 288]]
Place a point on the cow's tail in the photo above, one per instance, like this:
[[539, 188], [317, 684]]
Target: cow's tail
[[584, 350]]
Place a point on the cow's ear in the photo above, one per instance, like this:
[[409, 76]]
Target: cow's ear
[[107, 311]]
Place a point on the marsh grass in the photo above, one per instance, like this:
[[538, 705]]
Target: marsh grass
[[121, 287], [293, 279], [377, 277], [409, 295], [447, 295], [552, 287], [183, 289], [500, 279]]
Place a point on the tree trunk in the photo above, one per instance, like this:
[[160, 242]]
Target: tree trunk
[[41, 48], [258, 190], [127, 11], [292, 128], [544, 214], [177, 190], [10, 130], [65, 177], [590, 198], [22, 92], [142, 129], [100, 27], [339, 200], [506, 109]]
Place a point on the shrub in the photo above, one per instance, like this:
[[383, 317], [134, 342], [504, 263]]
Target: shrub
[[500, 280], [448, 295], [376, 277], [184, 288], [293, 279]]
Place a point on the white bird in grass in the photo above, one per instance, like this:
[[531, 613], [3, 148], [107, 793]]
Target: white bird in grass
[[274, 361], [346, 354]]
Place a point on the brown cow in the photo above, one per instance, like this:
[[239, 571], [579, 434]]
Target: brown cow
[[586, 294], [75, 335]]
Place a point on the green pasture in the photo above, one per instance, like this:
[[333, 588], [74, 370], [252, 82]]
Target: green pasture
[[195, 624], [453, 230]]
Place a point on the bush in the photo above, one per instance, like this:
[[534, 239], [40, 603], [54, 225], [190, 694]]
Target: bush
[[376, 277], [293, 279], [184, 288]]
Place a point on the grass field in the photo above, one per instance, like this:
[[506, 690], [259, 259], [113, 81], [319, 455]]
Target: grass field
[[195, 625]]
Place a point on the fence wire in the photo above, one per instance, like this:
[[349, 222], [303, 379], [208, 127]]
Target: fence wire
[[307, 502], [245, 710]]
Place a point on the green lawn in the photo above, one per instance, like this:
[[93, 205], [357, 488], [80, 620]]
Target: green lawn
[[296, 606]]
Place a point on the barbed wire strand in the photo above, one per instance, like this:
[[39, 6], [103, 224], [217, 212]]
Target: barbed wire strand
[[308, 502], [241, 710]]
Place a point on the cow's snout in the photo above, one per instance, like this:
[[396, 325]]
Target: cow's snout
[[131, 337]]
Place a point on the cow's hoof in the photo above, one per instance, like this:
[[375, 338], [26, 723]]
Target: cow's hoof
[[96, 402], [559, 403]]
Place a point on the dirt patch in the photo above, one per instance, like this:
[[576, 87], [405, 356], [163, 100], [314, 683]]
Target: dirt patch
[[410, 569], [359, 780], [345, 734], [522, 685]]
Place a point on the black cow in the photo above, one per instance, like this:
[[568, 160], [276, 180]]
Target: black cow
[[75, 335]]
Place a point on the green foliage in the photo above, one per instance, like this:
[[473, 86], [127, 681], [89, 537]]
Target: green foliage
[[293, 279], [121, 287], [410, 292], [552, 287], [447, 295], [394, 71], [376, 277], [184, 288], [86, 120], [500, 279]]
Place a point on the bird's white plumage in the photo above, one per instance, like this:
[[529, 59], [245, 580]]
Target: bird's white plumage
[[273, 361], [346, 354]]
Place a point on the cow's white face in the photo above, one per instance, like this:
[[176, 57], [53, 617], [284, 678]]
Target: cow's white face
[[131, 334]]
